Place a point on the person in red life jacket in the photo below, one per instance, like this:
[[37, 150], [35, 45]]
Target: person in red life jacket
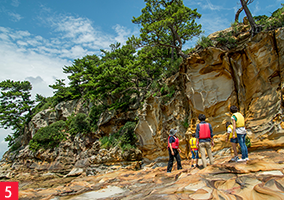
[[173, 148], [204, 136]]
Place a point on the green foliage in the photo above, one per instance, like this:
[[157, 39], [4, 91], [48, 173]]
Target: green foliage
[[185, 122], [110, 141], [16, 146], [63, 93], [279, 12], [43, 103], [261, 19], [204, 42], [48, 137], [167, 24], [15, 107], [226, 39], [78, 124], [172, 69], [236, 28], [276, 19], [125, 138], [247, 142], [94, 116], [168, 93]]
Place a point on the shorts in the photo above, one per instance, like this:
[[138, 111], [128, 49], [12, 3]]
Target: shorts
[[194, 154], [234, 140]]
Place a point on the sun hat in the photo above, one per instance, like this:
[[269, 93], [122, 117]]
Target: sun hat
[[173, 132]]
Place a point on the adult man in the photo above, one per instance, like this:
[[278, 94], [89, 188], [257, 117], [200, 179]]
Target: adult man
[[238, 122], [173, 148], [204, 136]]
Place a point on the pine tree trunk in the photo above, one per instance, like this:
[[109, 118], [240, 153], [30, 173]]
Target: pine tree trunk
[[254, 27]]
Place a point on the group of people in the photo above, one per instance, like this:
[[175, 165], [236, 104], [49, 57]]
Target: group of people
[[202, 140]]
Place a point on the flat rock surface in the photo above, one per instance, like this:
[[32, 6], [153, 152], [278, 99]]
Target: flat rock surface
[[259, 178]]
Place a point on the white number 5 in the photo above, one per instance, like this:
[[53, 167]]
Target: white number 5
[[7, 190]]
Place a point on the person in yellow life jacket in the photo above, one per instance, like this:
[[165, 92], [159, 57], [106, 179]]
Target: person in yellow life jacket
[[173, 148], [233, 139], [238, 122], [194, 150]]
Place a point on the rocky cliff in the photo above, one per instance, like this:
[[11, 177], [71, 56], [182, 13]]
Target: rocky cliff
[[209, 82]]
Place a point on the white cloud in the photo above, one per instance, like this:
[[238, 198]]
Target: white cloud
[[15, 3], [209, 5], [122, 32], [26, 56], [14, 16], [212, 23], [39, 87]]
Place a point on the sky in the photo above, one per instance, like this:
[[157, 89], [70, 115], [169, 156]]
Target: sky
[[39, 37]]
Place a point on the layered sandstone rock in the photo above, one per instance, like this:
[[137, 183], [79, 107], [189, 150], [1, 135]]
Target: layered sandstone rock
[[208, 82], [250, 76], [259, 178]]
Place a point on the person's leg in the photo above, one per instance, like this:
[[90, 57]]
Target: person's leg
[[191, 161], [245, 147], [202, 152], [234, 145], [192, 158], [197, 157], [177, 156], [209, 152], [242, 144], [171, 160]]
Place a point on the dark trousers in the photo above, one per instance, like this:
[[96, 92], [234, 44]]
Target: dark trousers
[[171, 160]]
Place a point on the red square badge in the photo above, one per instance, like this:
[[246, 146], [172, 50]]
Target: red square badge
[[9, 190]]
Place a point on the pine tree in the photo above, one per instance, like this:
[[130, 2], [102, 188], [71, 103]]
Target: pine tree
[[168, 23], [16, 106]]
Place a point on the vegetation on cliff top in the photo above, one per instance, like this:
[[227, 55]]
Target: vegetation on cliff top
[[118, 79]]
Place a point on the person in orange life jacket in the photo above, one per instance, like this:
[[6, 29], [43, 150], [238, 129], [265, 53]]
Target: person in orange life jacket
[[204, 136], [233, 139], [173, 148], [194, 150], [239, 127]]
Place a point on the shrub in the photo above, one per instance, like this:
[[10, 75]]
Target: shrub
[[16, 146], [247, 142], [185, 122], [94, 116], [276, 19], [204, 42], [236, 28], [125, 138], [226, 40], [261, 19], [78, 124], [48, 137], [128, 137]]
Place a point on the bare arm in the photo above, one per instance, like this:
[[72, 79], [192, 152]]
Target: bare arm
[[171, 149], [234, 128]]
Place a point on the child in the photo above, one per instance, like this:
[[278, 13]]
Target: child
[[194, 151], [233, 139]]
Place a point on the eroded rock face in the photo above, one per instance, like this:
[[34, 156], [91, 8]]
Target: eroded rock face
[[259, 178], [61, 112], [210, 81]]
